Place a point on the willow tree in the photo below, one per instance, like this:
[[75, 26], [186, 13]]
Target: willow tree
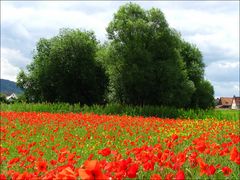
[[144, 61]]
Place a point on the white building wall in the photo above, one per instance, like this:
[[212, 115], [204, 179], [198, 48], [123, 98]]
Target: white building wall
[[234, 105]]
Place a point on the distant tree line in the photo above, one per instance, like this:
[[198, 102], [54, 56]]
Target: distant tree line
[[144, 62]]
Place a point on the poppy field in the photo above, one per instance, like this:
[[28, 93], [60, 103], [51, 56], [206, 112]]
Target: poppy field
[[89, 146]]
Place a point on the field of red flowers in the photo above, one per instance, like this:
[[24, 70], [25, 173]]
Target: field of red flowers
[[89, 146]]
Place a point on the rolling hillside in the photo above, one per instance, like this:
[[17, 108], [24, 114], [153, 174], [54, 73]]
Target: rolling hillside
[[8, 87]]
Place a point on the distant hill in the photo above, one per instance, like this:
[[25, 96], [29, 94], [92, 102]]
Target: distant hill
[[9, 87]]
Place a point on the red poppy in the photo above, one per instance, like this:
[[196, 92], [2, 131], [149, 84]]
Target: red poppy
[[53, 162], [91, 171], [31, 158], [203, 166], [174, 137], [123, 164], [105, 152], [67, 174], [211, 170], [3, 177], [85, 174], [25, 175], [235, 155], [193, 159], [13, 174], [31, 144], [155, 177], [62, 158], [49, 176], [90, 157], [148, 166], [71, 156], [201, 146], [14, 160], [169, 176], [180, 175], [42, 166], [226, 171], [169, 144], [132, 171]]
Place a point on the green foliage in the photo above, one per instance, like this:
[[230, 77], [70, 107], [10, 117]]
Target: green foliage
[[146, 111], [3, 98], [21, 99], [64, 69], [29, 84], [203, 96], [144, 62], [193, 60]]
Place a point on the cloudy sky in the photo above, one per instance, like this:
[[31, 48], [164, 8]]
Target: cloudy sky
[[213, 26]]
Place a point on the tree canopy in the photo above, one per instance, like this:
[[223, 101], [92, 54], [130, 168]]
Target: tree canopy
[[64, 69], [144, 62], [203, 96]]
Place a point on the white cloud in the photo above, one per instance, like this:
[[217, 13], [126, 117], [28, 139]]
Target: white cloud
[[208, 30], [223, 71], [14, 57], [232, 65], [11, 62], [8, 71], [224, 89], [224, 77], [47, 20]]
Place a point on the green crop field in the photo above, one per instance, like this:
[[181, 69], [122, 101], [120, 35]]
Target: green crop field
[[146, 111]]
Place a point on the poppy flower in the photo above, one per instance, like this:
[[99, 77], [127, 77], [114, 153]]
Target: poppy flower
[[85, 174], [235, 155], [174, 137], [169, 176], [49, 176], [62, 158], [193, 159], [14, 160], [169, 144], [105, 152], [3, 177], [148, 166], [180, 175], [211, 170], [226, 171], [67, 174], [25, 175], [132, 171], [155, 177], [201, 146], [90, 157], [53, 162], [123, 164], [31, 158], [42, 166], [91, 170]]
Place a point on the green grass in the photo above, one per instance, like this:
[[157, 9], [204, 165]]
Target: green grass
[[158, 111]]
